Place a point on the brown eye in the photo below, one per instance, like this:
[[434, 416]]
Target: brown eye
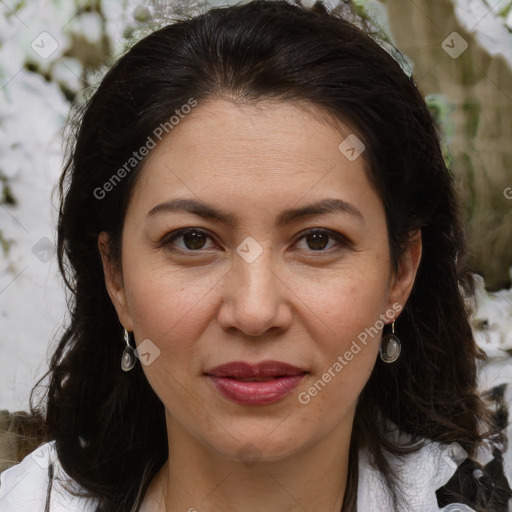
[[317, 240], [193, 239]]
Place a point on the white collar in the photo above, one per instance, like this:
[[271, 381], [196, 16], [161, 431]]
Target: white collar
[[420, 474]]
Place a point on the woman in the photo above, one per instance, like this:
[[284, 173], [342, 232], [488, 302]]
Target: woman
[[257, 201]]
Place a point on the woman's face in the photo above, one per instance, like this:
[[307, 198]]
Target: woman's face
[[264, 281]]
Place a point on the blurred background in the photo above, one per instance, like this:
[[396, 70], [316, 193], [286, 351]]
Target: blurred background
[[53, 52]]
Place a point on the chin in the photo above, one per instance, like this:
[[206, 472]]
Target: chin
[[262, 446]]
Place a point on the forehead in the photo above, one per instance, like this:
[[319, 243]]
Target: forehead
[[253, 154], [290, 129]]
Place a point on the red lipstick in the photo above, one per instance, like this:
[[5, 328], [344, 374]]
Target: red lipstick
[[255, 384]]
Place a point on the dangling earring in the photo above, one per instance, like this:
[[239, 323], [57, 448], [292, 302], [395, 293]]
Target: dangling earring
[[390, 346], [128, 358]]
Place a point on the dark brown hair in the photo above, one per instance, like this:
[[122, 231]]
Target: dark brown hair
[[109, 426]]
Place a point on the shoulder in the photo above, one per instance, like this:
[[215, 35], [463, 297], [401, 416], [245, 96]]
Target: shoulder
[[25, 487], [420, 475], [431, 479]]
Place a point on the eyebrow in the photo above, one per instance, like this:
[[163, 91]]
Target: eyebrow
[[286, 217]]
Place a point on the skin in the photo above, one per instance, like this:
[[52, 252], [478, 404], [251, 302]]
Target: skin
[[297, 302]]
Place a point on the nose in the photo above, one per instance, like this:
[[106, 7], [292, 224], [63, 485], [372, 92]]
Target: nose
[[255, 297]]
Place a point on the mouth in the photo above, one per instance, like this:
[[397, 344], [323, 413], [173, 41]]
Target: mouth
[[243, 370], [257, 379], [255, 384]]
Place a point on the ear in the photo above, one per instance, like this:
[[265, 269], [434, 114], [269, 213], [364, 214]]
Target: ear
[[407, 268], [114, 282]]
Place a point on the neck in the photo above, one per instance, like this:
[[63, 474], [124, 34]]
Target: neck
[[197, 479]]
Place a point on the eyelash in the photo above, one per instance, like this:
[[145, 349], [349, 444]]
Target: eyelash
[[167, 240]]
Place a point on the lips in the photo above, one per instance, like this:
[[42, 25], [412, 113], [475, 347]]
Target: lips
[[255, 384], [260, 371]]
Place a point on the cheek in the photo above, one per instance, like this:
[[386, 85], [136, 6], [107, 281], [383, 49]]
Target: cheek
[[347, 305], [344, 357], [346, 327], [165, 302], [169, 311]]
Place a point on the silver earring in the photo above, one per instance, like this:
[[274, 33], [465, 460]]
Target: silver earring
[[128, 358], [390, 346]]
